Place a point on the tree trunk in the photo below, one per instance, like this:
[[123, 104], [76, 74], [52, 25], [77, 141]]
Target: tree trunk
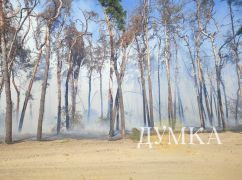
[[220, 106], [6, 77], [75, 78], [101, 93], [121, 106], [237, 60], [195, 78], [218, 67], [200, 87], [145, 102], [226, 101], [59, 68], [149, 75], [1, 76], [206, 98], [1, 85], [18, 96], [67, 100], [70, 69], [116, 111], [73, 100], [180, 105], [89, 94], [167, 62], [211, 103], [197, 39], [110, 89], [44, 87], [176, 87], [215, 105], [141, 67], [158, 78]]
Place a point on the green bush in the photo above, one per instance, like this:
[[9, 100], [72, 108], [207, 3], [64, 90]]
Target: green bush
[[135, 134]]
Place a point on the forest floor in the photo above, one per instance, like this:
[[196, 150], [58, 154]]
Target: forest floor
[[101, 159]]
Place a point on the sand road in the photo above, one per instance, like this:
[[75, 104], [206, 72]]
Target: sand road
[[101, 159]]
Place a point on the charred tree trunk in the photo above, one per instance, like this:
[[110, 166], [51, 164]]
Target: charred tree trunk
[[218, 66], [69, 74], [211, 103], [121, 106], [215, 104], [141, 68], [76, 72], [145, 104], [226, 101], [73, 100], [67, 99], [59, 69], [110, 95], [116, 110], [89, 94], [219, 99], [18, 96], [205, 92], [1, 85], [180, 106]]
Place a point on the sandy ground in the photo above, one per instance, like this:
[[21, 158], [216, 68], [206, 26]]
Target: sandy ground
[[102, 159]]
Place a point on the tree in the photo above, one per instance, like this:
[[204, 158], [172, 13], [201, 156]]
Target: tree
[[59, 55], [234, 46], [33, 75], [146, 11], [76, 54], [8, 118], [91, 65], [137, 23], [11, 31], [101, 52], [171, 15], [51, 15], [75, 57], [114, 16]]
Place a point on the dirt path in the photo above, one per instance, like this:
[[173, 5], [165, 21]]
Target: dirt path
[[100, 159]]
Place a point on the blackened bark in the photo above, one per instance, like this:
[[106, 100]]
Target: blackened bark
[[67, 100], [89, 94], [18, 96], [59, 68]]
